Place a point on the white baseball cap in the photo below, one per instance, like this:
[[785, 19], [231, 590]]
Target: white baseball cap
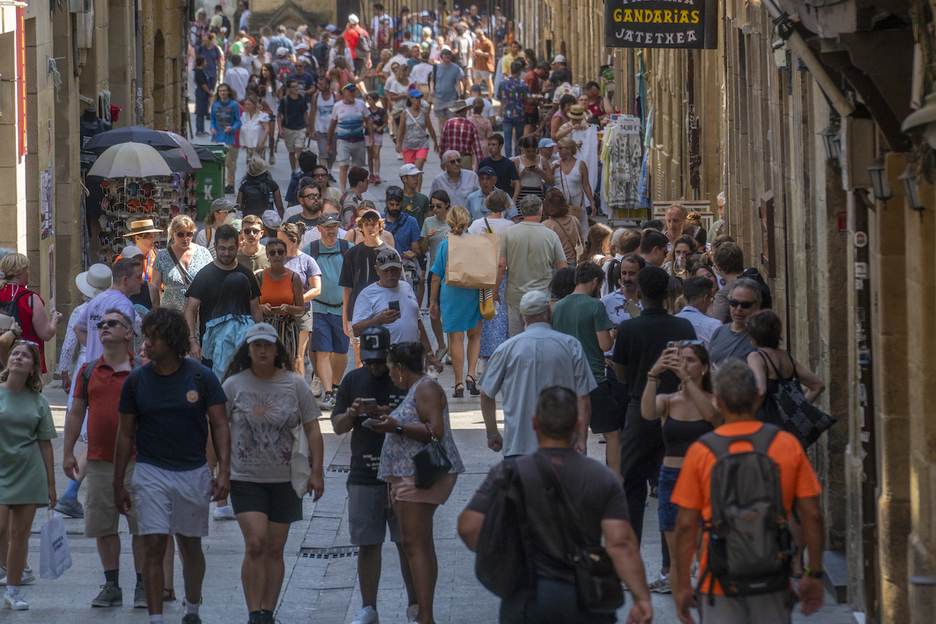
[[559, 59], [409, 169], [353, 19]]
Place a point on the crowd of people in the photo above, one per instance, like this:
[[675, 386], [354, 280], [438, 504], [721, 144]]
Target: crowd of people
[[186, 366]]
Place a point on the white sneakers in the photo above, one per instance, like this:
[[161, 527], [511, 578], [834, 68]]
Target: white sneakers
[[411, 612], [316, 387], [28, 576], [14, 600], [224, 513], [367, 615]]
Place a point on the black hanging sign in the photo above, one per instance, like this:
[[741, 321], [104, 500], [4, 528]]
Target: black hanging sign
[[661, 24]]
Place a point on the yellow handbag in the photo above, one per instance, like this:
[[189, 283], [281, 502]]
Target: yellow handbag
[[486, 303]]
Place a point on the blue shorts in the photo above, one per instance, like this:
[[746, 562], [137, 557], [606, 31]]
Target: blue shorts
[[667, 511], [327, 334]]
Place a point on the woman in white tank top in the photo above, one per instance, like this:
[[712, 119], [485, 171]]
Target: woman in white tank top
[[572, 179]]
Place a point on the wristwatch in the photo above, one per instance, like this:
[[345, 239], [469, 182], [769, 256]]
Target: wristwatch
[[814, 574], [399, 429]]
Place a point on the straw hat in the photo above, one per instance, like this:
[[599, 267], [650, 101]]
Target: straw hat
[[576, 112], [141, 226]]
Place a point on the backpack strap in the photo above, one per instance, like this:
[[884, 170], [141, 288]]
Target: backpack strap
[[86, 375], [720, 445], [196, 368]]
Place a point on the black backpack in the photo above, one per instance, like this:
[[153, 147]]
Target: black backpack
[[11, 307], [255, 195], [502, 564], [749, 542]]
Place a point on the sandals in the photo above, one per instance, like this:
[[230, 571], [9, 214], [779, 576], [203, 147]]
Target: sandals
[[168, 595], [459, 392], [472, 386]]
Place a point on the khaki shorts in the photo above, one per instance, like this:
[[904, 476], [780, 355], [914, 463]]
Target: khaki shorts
[[101, 514], [352, 153], [480, 74], [294, 139]]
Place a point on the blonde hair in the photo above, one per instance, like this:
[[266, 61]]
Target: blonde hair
[[458, 218], [179, 224], [34, 381], [12, 265], [570, 143]]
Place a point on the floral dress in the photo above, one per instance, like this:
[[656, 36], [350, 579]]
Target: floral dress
[[396, 457], [173, 295]]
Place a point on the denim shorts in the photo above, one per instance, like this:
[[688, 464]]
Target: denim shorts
[[667, 511]]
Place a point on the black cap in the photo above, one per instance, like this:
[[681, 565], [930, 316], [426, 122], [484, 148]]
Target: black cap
[[375, 343]]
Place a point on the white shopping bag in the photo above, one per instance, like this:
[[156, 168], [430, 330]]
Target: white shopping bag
[[54, 554]]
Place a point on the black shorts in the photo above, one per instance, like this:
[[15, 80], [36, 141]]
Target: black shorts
[[278, 501], [359, 64], [531, 119], [606, 413]]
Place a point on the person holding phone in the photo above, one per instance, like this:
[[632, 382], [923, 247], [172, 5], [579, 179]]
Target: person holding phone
[[361, 395]]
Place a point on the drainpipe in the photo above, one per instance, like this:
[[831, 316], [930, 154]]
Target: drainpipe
[[796, 43]]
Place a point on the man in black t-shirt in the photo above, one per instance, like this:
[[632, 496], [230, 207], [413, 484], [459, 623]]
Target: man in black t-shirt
[[369, 508], [206, 287], [640, 342], [586, 486], [508, 180], [292, 117]]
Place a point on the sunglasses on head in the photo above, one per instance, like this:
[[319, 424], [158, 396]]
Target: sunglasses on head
[[25, 341], [110, 323], [744, 305]]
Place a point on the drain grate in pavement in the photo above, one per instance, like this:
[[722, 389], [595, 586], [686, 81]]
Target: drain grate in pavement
[[336, 552], [339, 468]]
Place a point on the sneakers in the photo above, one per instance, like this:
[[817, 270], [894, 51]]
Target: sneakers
[[191, 618], [224, 513], [70, 507], [332, 179], [411, 612], [328, 401], [441, 352], [139, 597], [317, 387], [367, 615], [28, 576], [14, 600], [110, 596], [661, 585]]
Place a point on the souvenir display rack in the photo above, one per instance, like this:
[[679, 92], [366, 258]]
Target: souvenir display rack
[[158, 198]]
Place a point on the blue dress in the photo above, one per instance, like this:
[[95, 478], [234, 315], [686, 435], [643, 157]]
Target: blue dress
[[496, 331], [460, 306]]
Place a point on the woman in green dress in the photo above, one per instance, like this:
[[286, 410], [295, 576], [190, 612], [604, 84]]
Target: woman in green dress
[[27, 477]]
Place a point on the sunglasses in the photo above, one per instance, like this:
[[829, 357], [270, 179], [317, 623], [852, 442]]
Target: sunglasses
[[308, 195], [185, 234], [320, 175], [744, 305], [110, 323], [437, 205], [252, 231], [276, 252], [452, 162]]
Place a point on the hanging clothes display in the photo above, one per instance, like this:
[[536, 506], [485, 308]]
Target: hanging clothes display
[[621, 158]]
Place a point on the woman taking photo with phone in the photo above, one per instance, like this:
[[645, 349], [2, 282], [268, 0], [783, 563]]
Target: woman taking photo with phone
[[267, 404]]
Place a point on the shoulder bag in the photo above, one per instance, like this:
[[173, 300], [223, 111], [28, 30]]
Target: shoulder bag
[[431, 463], [186, 280], [596, 581], [788, 408]]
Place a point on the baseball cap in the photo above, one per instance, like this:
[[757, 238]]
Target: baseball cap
[[414, 93], [353, 19], [370, 212], [327, 218], [475, 87], [409, 169], [261, 331], [389, 258], [559, 59], [349, 87], [533, 303], [271, 219], [487, 171], [331, 28], [282, 52], [375, 343], [546, 142], [131, 251]]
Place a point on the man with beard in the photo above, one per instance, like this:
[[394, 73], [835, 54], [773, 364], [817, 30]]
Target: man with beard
[[405, 230], [583, 316]]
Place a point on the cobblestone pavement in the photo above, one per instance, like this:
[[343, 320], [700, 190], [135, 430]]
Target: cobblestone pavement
[[318, 590]]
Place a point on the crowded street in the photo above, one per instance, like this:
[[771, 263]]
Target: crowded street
[[562, 312]]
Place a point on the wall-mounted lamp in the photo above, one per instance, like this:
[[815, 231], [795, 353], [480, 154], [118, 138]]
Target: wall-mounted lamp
[[923, 121], [832, 141], [911, 184], [882, 190]]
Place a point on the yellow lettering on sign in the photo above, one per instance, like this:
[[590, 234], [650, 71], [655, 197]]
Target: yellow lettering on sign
[[628, 15], [667, 17], [695, 17], [638, 15], [617, 15], [658, 17], [648, 16], [684, 17]]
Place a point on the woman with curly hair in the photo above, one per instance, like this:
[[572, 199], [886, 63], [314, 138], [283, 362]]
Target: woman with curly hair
[[269, 407], [27, 473]]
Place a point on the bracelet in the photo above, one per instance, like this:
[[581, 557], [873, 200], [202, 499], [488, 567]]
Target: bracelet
[[652, 378], [193, 337], [817, 574], [494, 435]]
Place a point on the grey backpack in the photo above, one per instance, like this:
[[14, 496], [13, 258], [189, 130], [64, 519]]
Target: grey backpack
[[749, 541]]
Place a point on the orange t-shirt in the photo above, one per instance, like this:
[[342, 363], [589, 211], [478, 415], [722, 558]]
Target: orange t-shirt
[[692, 491]]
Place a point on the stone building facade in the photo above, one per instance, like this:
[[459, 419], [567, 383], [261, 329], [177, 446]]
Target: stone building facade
[[54, 65], [796, 117]]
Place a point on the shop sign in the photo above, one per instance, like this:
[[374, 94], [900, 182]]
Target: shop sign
[[661, 24]]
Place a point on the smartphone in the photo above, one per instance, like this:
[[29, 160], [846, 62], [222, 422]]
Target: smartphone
[[394, 305], [673, 344], [370, 422], [369, 404]]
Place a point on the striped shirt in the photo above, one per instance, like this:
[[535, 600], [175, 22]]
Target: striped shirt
[[525, 364]]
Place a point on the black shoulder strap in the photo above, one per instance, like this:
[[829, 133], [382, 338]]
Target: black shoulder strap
[[566, 518], [770, 363], [196, 367], [86, 375], [720, 445]]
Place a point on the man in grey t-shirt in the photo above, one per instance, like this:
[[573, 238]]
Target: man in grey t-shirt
[[731, 339], [445, 86], [531, 250]]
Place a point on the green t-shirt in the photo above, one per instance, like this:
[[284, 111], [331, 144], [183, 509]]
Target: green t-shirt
[[416, 206], [442, 229], [25, 418], [582, 317]]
